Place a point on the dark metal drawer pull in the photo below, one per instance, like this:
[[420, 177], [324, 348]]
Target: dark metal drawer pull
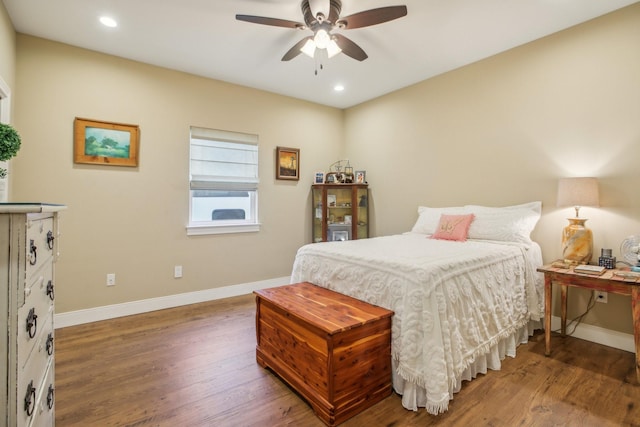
[[50, 290], [50, 396], [32, 323], [49, 344], [30, 399], [33, 255], [50, 239]]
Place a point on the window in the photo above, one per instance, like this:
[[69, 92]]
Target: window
[[223, 181]]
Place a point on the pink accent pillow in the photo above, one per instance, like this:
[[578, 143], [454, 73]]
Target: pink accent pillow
[[453, 227]]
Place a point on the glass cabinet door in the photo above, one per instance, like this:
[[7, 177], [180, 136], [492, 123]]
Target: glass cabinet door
[[318, 215], [340, 212], [363, 212]]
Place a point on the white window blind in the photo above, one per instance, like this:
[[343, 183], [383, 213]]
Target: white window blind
[[222, 160]]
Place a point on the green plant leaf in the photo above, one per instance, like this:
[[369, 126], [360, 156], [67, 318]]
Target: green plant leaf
[[9, 142]]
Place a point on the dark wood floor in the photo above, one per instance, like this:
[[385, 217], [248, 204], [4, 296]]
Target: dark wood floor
[[195, 366]]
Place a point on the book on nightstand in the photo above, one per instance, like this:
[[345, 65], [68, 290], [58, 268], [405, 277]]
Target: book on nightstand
[[595, 270]]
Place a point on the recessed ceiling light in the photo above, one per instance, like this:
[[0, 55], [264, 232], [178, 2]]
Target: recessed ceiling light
[[338, 88], [108, 22]]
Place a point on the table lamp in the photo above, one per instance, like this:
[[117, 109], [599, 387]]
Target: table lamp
[[577, 240]]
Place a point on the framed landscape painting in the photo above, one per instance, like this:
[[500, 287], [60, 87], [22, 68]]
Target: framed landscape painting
[[105, 143]]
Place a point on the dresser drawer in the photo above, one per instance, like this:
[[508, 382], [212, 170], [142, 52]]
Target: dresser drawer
[[40, 293], [44, 413], [41, 343], [34, 315], [39, 245], [31, 378]]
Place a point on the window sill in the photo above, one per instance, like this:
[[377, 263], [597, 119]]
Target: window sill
[[199, 230]]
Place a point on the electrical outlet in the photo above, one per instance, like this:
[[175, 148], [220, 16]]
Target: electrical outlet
[[111, 279], [601, 297], [177, 271]]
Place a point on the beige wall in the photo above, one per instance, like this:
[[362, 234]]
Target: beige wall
[[500, 131], [7, 47], [131, 221], [7, 74], [504, 130]]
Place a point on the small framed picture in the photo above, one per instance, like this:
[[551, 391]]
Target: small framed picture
[[361, 177], [319, 178], [331, 200], [287, 163], [347, 219]]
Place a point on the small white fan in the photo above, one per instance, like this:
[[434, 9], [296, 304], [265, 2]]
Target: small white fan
[[630, 251]]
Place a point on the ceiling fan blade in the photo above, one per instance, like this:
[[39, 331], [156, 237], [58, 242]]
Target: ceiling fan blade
[[269, 21], [372, 17], [349, 48], [295, 50]]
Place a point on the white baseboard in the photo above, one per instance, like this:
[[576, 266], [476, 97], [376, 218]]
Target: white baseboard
[[71, 318], [599, 335]]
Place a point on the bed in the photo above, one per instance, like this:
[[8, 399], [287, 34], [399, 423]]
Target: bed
[[463, 300]]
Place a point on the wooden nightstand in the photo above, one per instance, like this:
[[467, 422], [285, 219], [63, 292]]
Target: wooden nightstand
[[607, 282]]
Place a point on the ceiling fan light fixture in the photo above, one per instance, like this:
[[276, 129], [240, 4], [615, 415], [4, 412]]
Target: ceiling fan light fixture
[[309, 48], [333, 49], [321, 38]]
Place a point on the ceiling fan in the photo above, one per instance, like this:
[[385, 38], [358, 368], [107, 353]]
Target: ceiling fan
[[322, 17]]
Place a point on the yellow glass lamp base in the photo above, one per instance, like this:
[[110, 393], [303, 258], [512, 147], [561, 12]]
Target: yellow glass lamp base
[[577, 242]]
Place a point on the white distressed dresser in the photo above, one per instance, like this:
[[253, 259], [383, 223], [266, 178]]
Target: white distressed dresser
[[28, 251]]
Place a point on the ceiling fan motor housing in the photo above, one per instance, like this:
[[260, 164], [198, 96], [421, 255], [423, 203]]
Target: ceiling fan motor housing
[[311, 20]]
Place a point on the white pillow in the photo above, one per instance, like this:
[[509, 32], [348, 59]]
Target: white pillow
[[428, 218], [534, 206], [508, 224]]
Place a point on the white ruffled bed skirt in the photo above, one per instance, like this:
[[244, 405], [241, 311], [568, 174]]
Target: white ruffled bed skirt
[[414, 396]]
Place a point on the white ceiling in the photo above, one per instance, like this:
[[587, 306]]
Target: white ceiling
[[202, 37]]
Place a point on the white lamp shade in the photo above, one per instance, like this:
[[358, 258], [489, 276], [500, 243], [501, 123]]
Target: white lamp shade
[[578, 192]]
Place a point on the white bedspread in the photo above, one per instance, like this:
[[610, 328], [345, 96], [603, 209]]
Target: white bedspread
[[456, 304]]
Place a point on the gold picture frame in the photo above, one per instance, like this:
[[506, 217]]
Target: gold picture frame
[[288, 163], [105, 143]]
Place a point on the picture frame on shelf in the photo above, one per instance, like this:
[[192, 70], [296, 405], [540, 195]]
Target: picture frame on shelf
[[319, 178], [105, 143], [361, 177], [288, 163], [332, 178], [331, 200], [340, 236]]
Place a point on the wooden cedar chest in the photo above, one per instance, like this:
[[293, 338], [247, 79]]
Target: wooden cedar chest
[[333, 349]]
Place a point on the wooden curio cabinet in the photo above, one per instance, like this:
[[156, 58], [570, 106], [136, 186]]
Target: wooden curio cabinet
[[340, 212]]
